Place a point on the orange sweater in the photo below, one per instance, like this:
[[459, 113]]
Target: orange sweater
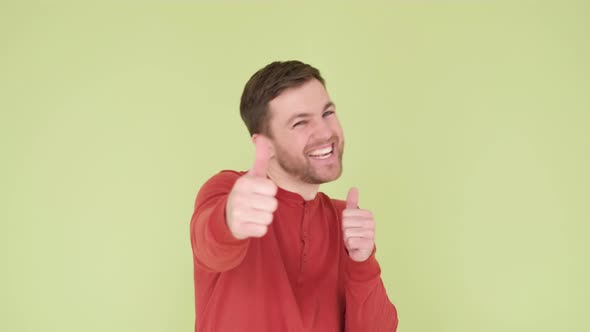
[[298, 277]]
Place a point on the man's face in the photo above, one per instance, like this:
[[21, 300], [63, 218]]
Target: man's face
[[306, 134]]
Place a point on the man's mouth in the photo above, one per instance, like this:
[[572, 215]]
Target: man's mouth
[[322, 153]]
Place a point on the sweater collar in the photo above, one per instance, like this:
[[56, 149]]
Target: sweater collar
[[295, 198]]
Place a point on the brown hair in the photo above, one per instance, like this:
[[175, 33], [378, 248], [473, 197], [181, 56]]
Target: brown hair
[[268, 83]]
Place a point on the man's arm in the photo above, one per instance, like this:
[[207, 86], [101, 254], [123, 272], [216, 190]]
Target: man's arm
[[368, 308], [215, 249], [231, 208]]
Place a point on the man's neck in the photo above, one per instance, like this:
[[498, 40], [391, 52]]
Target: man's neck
[[285, 181]]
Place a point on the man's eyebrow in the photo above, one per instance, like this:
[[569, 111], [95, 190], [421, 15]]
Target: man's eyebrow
[[298, 115], [307, 115]]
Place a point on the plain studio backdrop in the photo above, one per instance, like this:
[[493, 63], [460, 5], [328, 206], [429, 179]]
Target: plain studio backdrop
[[467, 130]]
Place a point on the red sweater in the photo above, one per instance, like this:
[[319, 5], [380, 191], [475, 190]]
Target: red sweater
[[298, 277]]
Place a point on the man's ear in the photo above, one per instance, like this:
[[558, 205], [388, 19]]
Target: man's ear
[[264, 141]]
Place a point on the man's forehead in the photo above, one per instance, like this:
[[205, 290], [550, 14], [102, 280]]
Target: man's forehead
[[308, 97]]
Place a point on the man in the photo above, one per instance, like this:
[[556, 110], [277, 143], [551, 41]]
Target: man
[[270, 252]]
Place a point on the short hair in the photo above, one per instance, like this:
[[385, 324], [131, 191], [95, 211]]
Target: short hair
[[265, 85]]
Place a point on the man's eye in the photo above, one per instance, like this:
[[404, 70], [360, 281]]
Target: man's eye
[[300, 123], [326, 113]]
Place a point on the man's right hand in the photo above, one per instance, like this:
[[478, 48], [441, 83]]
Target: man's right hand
[[252, 202]]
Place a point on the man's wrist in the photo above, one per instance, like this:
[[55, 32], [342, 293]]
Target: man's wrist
[[362, 271]]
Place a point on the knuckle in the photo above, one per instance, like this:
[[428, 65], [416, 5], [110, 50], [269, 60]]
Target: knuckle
[[241, 183], [269, 218], [347, 241], [266, 186], [259, 231], [274, 204], [256, 181], [350, 221], [250, 184], [367, 213], [236, 231], [347, 233], [272, 187]]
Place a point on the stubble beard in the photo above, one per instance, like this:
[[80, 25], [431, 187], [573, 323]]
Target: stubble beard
[[302, 169]]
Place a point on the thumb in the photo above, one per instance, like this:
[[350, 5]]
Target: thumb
[[352, 199], [262, 157]]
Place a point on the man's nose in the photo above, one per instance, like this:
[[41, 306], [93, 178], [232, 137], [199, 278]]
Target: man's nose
[[322, 130]]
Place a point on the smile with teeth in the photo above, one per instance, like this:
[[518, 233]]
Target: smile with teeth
[[322, 153]]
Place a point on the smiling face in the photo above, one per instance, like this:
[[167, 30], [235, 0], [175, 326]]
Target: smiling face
[[307, 138]]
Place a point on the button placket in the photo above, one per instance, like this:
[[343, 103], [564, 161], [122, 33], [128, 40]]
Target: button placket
[[304, 234]]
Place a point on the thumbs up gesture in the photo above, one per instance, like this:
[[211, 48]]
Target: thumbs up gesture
[[358, 228], [252, 202]]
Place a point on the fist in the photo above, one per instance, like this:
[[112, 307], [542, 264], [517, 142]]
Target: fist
[[252, 202], [358, 228]]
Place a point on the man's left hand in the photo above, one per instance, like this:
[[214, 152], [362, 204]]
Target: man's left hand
[[358, 228]]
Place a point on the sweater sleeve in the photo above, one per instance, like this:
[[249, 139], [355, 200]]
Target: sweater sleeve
[[215, 249], [368, 308]]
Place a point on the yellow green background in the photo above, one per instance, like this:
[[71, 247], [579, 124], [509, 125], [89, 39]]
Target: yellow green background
[[467, 127]]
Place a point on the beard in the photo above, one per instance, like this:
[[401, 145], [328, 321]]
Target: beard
[[301, 167]]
